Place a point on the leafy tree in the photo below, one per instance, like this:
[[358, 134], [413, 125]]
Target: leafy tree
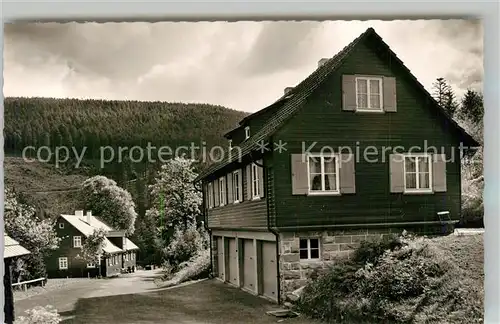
[[92, 247], [112, 203], [470, 116], [37, 235], [175, 200]]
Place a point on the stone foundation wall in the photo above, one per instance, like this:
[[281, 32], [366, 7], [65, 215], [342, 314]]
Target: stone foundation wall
[[334, 245]]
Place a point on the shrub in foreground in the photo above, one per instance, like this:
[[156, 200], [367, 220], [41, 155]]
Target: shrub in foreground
[[412, 282], [196, 268], [40, 315]]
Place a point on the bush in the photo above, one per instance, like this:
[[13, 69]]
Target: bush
[[40, 315], [197, 267], [370, 251], [414, 280], [184, 245]]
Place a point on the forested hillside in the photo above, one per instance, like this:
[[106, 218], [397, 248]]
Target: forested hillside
[[95, 123], [92, 123]]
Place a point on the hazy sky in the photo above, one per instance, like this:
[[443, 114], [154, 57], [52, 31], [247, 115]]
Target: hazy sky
[[243, 65]]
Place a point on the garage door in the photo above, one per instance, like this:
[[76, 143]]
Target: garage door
[[233, 261], [249, 269], [269, 271], [220, 258]]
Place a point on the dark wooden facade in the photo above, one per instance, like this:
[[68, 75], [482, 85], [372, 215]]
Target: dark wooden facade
[[78, 267], [321, 119]]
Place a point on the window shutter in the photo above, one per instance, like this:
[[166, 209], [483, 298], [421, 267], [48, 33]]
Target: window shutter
[[229, 180], [397, 173], [240, 184], [216, 193], [348, 92], [249, 181], [347, 173], [389, 86], [300, 184], [261, 179], [439, 172]]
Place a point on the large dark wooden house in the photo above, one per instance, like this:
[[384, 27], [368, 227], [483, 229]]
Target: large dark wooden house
[[358, 148], [118, 254]]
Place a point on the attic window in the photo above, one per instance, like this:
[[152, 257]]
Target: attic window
[[369, 94], [247, 132], [61, 225]]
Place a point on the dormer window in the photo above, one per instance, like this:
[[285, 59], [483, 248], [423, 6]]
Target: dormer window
[[247, 132]]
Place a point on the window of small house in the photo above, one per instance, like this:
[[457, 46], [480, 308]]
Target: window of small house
[[255, 181], [236, 186], [63, 263], [77, 241], [323, 173], [309, 249], [417, 169], [222, 191], [61, 225], [369, 94], [90, 265], [247, 132], [210, 195]]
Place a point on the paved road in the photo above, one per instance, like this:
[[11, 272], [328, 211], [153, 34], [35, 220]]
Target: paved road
[[135, 299]]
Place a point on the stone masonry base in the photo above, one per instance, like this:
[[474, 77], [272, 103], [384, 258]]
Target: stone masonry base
[[334, 245]]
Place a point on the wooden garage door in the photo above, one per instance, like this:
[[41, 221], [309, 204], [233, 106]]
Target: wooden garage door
[[249, 269], [233, 261], [269, 271], [220, 258]]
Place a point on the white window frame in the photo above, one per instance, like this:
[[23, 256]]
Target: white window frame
[[61, 225], [254, 174], [76, 239], [222, 191], [247, 132], [110, 261], [368, 102], [236, 186], [429, 161], [337, 177], [230, 144], [91, 265], [210, 195], [125, 256], [309, 249], [63, 263]]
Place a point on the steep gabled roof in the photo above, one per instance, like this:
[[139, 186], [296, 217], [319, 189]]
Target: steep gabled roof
[[296, 97], [81, 224], [12, 248]]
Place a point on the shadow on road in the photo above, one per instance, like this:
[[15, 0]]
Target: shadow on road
[[199, 303]]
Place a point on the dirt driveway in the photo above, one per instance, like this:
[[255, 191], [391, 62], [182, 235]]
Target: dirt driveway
[[135, 299]]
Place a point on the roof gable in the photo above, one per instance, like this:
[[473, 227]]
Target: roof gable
[[80, 223], [296, 97]]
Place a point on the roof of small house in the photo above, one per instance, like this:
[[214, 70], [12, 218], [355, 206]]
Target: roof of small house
[[293, 100], [86, 228], [12, 248]]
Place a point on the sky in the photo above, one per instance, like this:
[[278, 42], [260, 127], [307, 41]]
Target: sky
[[240, 65]]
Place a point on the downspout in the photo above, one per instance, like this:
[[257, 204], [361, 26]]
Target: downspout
[[271, 229], [205, 225]]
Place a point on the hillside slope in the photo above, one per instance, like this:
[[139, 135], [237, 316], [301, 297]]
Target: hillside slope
[[42, 185]]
